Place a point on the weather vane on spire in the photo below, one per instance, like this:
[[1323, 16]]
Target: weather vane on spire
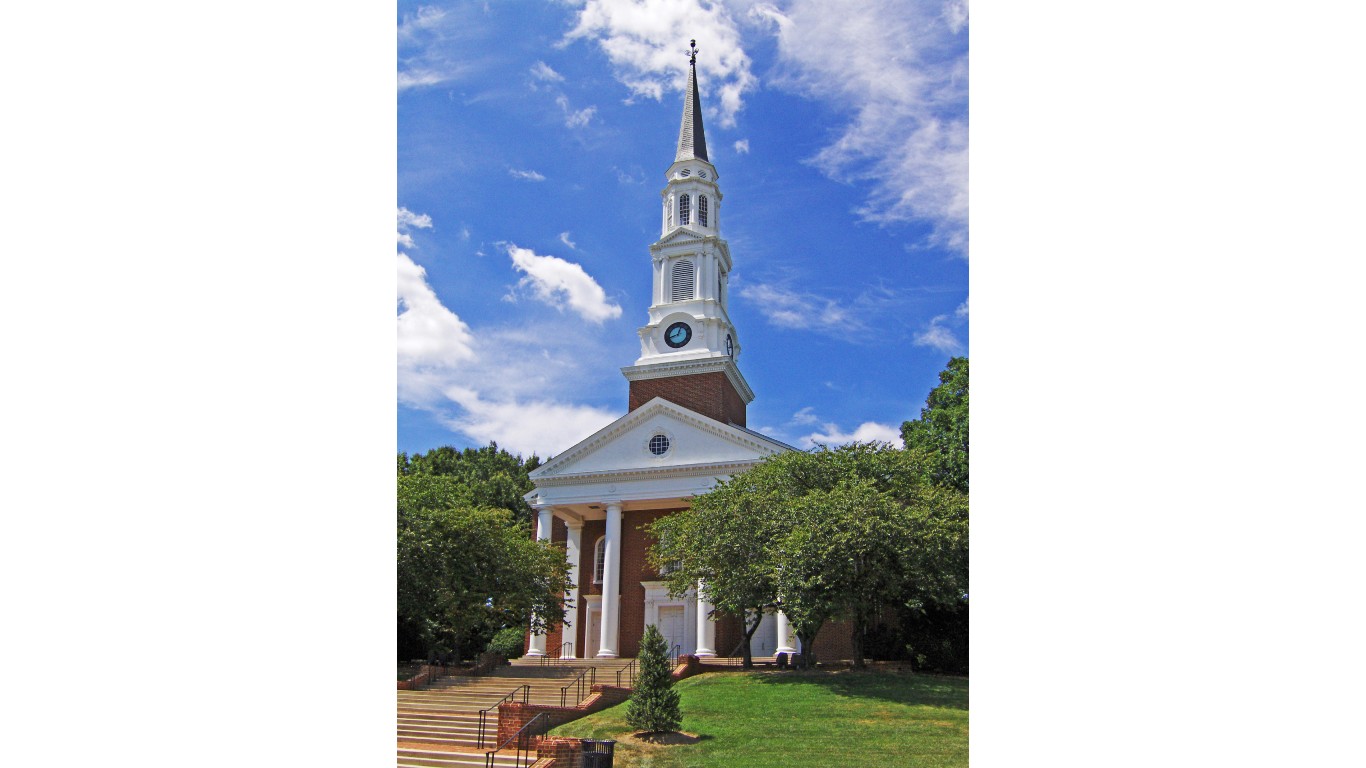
[[692, 53]]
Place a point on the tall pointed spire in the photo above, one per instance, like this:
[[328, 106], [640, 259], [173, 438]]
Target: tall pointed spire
[[692, 142]]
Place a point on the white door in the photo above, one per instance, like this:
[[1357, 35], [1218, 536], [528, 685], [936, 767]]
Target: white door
[[594, 638], [671, 625]]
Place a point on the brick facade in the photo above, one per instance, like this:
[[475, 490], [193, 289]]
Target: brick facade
[[833, 643], [710, 394]]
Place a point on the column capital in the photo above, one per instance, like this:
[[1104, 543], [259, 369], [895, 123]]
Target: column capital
[[574, 525], [612, 503]]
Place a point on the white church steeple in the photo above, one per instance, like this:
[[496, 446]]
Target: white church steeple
[[689, 330]]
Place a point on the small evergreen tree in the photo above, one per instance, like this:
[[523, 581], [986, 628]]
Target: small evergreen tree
[[654, 702]]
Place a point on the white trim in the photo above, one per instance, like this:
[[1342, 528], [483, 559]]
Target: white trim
[[669, 368]]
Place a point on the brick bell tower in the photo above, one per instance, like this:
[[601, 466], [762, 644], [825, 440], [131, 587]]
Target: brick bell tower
[[688, 349]]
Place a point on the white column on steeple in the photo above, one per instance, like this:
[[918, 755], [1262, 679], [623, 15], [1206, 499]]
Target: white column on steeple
[[574, 553], [544, 519], [611, 582], [706, 628]]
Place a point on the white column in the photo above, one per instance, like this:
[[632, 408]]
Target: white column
[[573, 552], [611, 582], [543, 523], [706, 629], [786, 643]]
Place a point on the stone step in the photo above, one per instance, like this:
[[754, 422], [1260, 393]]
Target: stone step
[[421, 758], [477, 702], [470, 739]]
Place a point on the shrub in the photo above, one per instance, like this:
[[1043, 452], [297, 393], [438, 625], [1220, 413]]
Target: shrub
[[654, 702], [507, 643]]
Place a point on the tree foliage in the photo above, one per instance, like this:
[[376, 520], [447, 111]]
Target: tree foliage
[[467, 565], [942, 429], [654, 702], [487, 477], [832, 533], [719, 542]]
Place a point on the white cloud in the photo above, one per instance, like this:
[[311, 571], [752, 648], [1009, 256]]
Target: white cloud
[[413, 25], [415, 79], [527, 175], [525, 426], [788, 309], [573, 118], [406, 219], [902, 72], [643, 41], [494, 384], [939, 337], [962, 311], [869, 430], [542, 71], [742, 147], [429, 334], [426, 41], [830, 434], [555, 281], [564, 238]]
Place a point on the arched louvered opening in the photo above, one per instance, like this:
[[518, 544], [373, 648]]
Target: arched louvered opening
[[702, 210], [684, 285], [684, 209]]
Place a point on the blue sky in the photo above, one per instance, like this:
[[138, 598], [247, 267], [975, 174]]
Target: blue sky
[[532, 144]]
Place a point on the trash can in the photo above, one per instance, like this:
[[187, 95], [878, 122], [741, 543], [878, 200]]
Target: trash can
[[597, 753]]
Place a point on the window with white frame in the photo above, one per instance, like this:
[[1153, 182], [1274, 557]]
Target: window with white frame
[[599, 559], [684, 208], [702, 210]]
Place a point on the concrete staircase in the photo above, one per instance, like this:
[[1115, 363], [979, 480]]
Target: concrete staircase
[[439, 726]]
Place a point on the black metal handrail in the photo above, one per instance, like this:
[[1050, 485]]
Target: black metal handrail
[[523, 745], [484, 713], [548, 660], [579, 682], [674, 653], [630, 671]]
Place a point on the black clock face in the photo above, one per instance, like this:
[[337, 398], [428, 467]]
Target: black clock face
[[678, 335], [730, 347]]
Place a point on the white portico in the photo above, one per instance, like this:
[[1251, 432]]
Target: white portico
[[649, 462]]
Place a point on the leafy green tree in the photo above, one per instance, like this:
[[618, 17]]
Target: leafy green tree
[[720, 541], [832, 533], [466, 571], [491, 477], [654, 702], [942, 429]]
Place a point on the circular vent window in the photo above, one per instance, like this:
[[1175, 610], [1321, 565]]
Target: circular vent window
[[685, 172], [659, 445]]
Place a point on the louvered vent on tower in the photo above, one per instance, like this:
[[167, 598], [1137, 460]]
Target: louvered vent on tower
[[683, 285]]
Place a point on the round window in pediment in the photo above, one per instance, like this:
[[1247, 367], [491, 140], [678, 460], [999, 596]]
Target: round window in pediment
[[659, 445]]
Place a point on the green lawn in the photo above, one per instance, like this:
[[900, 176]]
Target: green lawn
[[793, 719]]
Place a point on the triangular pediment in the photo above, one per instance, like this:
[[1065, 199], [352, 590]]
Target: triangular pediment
[[694, 440], [679, 235]]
